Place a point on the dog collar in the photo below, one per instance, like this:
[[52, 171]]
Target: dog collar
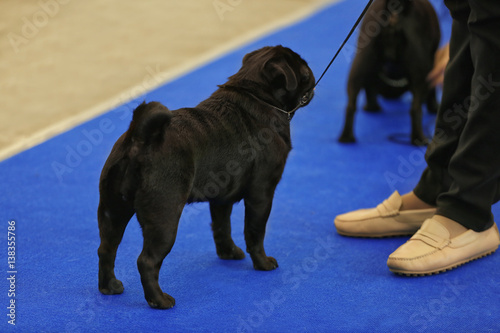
[[395, 83], [303, 101]]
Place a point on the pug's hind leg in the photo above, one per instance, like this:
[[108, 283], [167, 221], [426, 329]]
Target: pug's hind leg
[[113, 217], [221, 227], [159, 221], [257, 212]]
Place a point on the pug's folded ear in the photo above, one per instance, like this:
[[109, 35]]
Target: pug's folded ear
[[276, 70]]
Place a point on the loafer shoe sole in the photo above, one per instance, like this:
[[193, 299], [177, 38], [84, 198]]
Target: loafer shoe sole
[[444, 269], [431, 250]]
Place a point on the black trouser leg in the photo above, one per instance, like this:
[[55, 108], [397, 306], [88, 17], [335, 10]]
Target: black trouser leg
[[475, 166], [463, 171], [451, 115]]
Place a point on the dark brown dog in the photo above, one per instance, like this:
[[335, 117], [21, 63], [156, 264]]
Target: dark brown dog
[[231, 147], [396, 47]]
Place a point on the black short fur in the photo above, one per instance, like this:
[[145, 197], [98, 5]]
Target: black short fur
[[395, 52], [231, 147]]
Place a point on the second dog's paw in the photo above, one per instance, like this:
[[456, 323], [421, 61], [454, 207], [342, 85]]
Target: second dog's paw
[[372, 108], [420, 141], [347, 139]]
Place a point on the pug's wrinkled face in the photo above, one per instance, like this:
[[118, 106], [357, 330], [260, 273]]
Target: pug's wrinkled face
[[280, 72]]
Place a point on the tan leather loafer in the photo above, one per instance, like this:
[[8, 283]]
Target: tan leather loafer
[[432, 251], [383, 221]]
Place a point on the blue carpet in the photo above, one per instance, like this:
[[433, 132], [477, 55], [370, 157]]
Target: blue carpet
[[325, 282]]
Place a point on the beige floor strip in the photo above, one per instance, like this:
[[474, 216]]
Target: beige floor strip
[[38, 103]]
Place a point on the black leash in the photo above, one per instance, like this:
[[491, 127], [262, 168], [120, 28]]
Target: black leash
[[345, 40], [308, 95]]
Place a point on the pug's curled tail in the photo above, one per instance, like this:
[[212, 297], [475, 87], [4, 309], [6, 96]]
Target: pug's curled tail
[[145, 130], [148, 122]]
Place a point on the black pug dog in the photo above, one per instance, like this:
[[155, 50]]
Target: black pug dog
[[233, 146], [395, 53]]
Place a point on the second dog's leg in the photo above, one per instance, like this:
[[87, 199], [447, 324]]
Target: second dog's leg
[[348, 131], [371, 99], [432, 103], [417, 134], [221, 227]]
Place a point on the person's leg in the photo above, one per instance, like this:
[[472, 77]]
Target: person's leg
[[401, 215], [475, 166], [450, 123], [463, 167], [452, 113]]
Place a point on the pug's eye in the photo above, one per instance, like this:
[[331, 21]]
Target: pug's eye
[[305, 77]]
